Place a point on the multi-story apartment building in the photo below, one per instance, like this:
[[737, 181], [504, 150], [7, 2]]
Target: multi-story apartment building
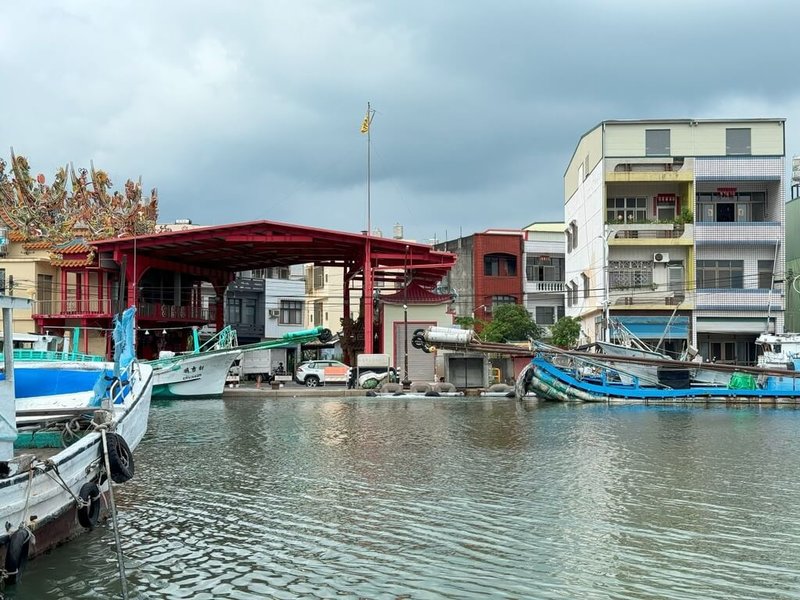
[[543, 286], [675, 229], [265, 304], [324, 291], [487, 272], [792, 278]]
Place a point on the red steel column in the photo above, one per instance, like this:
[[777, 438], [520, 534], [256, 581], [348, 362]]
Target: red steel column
[[367, 300]]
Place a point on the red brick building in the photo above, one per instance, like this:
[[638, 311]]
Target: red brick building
[[487, 273]]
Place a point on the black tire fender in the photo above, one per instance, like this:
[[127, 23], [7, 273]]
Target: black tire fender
[[17, 554], [89, 511], [120, 458]]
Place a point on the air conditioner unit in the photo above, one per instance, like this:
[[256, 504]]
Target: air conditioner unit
[[661, 257], [274, 313]]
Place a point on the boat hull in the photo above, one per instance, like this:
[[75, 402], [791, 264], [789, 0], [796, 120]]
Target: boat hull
[[38, 498], [550, 382], [201, 375]]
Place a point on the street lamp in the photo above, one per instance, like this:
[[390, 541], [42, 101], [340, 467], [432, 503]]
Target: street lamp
[[476, 309], [406, 280]]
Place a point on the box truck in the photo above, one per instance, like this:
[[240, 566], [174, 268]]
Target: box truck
[[255, 362]]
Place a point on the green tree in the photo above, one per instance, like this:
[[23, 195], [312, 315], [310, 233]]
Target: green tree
[[469, 323], [566, 332], [511, 322]]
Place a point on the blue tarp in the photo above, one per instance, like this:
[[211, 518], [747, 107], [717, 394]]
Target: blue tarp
[[654, 327]]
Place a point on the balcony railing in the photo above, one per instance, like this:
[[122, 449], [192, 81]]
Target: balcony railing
[[650, 231], [738, 299], [737, 233], [545, 286], [107, 307], [74, 307]]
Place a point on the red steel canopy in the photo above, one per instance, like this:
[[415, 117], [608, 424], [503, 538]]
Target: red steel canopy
[[218, 252]]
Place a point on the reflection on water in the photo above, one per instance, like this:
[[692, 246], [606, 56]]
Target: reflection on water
[[448, 498]]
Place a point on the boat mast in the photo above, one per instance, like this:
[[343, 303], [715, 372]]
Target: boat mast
[[8, 410]]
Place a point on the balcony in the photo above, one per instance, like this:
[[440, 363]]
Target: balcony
[[739, 299], [652, 234], [92, 307], [711, 233], [546, 287]]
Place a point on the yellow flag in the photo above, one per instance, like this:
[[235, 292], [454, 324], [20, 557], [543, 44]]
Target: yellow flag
[[365, 124]]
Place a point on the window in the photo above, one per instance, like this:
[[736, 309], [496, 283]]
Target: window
[[656, 142], [665, 210], [249, 311], [586, 288], [765, 270], [737, 141], [568, 233], [291, 312], [728, 205], [278, 272], [234, 310], [500, 265], [626, 210], [2, 281], [574, 227], [625, 274], [44, 294], [720, 274], [319, 281], [317, 314], [500, 300], [544, 268], [545, 315]]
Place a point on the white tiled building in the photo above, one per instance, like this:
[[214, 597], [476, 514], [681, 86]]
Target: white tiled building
[[676, 229], [543, 274]]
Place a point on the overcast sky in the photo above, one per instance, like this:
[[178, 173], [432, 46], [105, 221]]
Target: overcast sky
[[247, 110]]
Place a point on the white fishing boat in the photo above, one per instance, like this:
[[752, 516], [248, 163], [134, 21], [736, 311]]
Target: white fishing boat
[[778, 350], [203, 371], [66, 429]]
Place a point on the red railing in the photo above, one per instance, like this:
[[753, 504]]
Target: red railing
[[100, 308]]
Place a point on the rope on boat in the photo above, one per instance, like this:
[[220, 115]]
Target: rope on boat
[[28, 496], [120, 559], [53, 468]]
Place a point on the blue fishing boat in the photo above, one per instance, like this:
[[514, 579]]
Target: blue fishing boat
[[67, 429], [566, 376]]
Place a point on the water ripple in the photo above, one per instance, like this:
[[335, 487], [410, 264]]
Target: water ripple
[[452, 498]]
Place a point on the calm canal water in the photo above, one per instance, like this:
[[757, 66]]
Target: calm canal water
[[448, 498]]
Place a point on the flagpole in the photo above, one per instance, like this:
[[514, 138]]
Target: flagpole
[[369, 170], [369, 341]]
